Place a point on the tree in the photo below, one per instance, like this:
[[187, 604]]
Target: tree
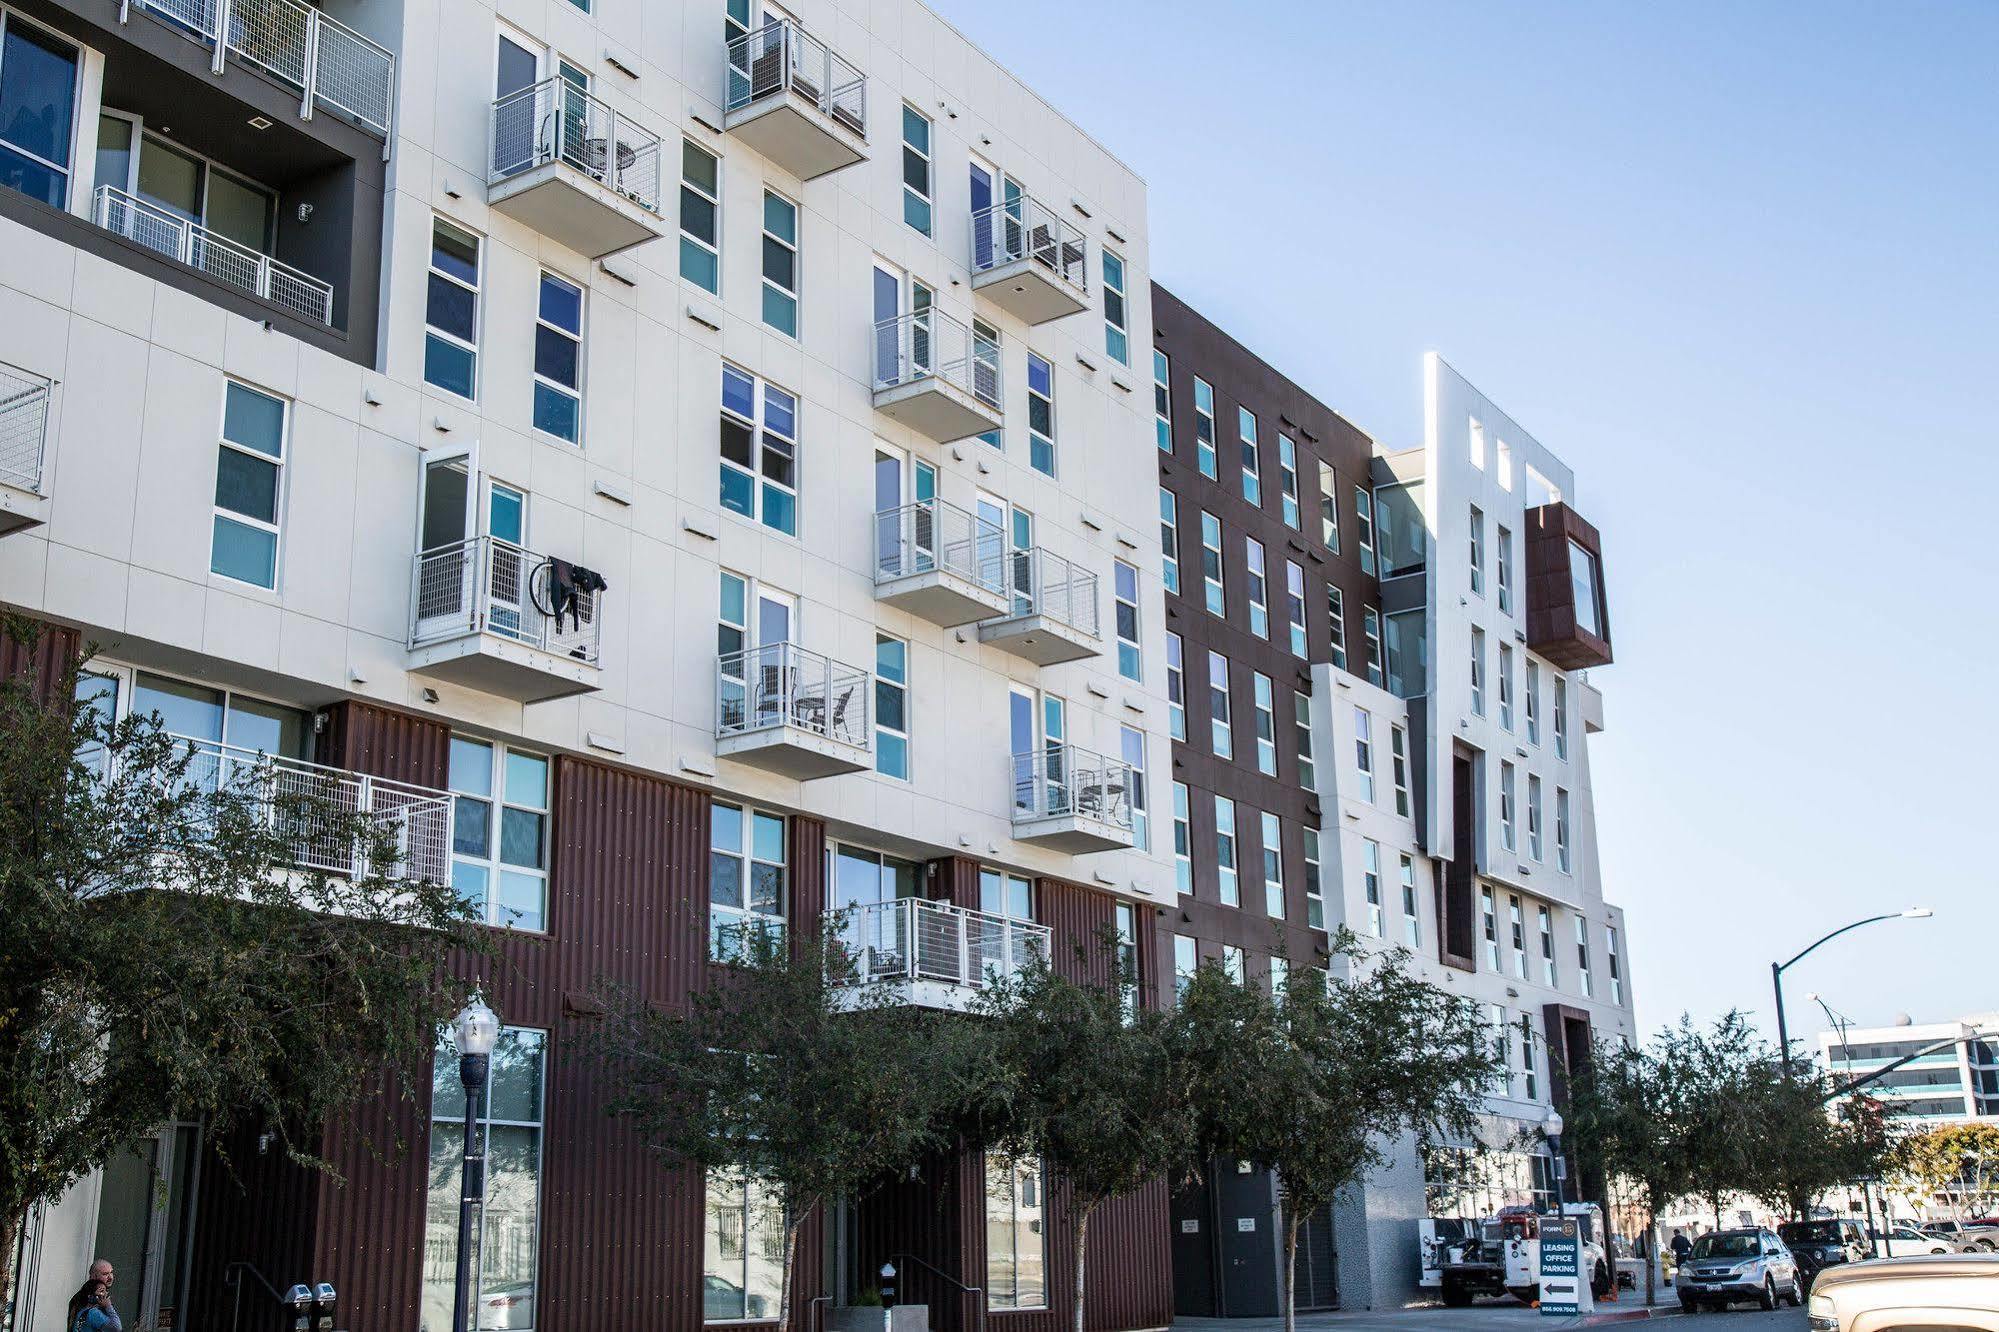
[[164, 955], [1720, 1079], [779, 1072], [1084, 1084], [1958, 1163], [1312, 1082], [1628, 1118], [1805, 1147]]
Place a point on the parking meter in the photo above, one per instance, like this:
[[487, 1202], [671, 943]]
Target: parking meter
[[322, 1307], [299, 1297]]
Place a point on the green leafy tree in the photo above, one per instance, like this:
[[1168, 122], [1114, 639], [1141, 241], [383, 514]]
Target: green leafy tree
[[1085, 1084], [1721, 1078], [1805, 1146], [164, 955], [1314, 1082], [1955, 1163], [1628, 1118], [808, 1086]]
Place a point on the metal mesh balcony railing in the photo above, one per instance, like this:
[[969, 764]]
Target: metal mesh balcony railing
[[783, 57], [328, 63], [930, 345], [555, 121], [216, 255], [487, 585], [781, 684], [1059, 780], [915, 939], [417, 818], [24, 427], [931, 535], [1043, 583], [1026, 228]]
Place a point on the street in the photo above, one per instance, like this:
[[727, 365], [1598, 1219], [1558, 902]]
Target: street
[[1498, 1317]]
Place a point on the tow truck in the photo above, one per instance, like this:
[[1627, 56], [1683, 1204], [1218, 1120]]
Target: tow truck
[[1464, 1258]]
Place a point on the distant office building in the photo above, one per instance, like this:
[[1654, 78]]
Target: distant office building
[[1952, 1073]]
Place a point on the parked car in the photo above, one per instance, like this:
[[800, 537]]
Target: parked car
[[1903, 1241], [1818, 1245], [1980, 1236], [1727, 1266], [1958, 1291]]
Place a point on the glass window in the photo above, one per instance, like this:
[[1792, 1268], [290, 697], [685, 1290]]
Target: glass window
[[1370, 625], [1315, 893], [1506, 686], [1124, 582], [1301, 720], [1562, 830], [1516, 921], [759, 447], [700, 215], [1398, 757], [499, 832], [1273, 866], [1370, 873], [1329, 508], [1363, 506], [1225, 869], [1186, 961], [916, 168], [1533, 701], [1502, 457], [742, 1256], [558, 359], [891, 707], [1508, 837], [1125, 918], [1223, 735], [1412, 920], [1528, 1064], [1259, 593], [1169, 540], [1040, 415], [1617, 978], [1478, 671], [1016, 1253], [1544, 917], [1294, 607], [451, 311], [1583, 586], [249, 487], [1505, 553], [1233, 964], [507, 1238], [1488, 915], [1116, 345], [1211, 563], [1183, 839], [780, 264], [1162, 401], [1264, 699], [1477, 552], [1131, 748], [1336, 624], [1252, 462], [1287, 463], [1007, 895], [748, 877], [37, 111], [1534, 816], [1204, 427], [1561, 718], [1176, 687], [1363, 745], [1582, 957], [1408, 654], [1476, 439]]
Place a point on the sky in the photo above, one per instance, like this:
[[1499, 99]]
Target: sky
[[1738, 265]]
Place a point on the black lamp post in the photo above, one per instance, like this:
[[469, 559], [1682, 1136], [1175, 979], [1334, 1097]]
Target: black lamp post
[[1551, 1128], [477, 1029], [1777, 972]]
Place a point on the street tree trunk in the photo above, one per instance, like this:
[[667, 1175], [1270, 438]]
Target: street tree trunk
[[10, 1231], [791, 1226], [1290, 1269], [1651, 1257], [1082, 1241]]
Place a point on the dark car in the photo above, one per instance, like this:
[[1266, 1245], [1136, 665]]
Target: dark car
[[1822, 1244]]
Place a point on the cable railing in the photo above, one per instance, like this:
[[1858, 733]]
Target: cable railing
[[782, 57], [927, 344], [929, 536], [287, 790], [1026, 228], [1043, 583], [783, 685], [491, 586], [916, 939], [1061, 780], [556, 121], [24, 427], [326, 62], [214, 254]]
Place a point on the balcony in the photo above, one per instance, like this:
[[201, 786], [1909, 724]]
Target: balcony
[[793, 99], [417, 818], [786, 710], [24, 430], [1070, 799], [1053, 617], [943, 955], [1028, 261], [332, 67], [213, 255], [491, 616], [575, 170], [935, 377], [941, 563]]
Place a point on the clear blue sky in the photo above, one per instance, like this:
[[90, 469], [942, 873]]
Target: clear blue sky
[[1738, 265]]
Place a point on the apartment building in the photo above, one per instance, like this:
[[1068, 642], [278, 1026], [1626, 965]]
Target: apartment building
[[1929, 1073], [1380, 717], [683, 451]]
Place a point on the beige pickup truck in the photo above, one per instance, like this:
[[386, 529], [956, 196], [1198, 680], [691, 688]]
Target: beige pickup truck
[[1958, 1291]]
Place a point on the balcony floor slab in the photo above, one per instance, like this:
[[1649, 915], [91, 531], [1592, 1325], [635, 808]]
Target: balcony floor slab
[[942, 597], [937, 409], [495, 664], [1041, 639], [793, 132], [794, 751], [570, 207], [23, 509], [1074, 834], [1030, 290]]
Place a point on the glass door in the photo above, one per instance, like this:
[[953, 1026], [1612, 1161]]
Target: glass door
[[1022, 741], [983, 177], [448, 560], [509, 590], [1021, 539], [775, 679], [890, 522]]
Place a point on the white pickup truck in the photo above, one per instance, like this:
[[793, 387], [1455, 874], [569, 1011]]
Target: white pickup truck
[[1463, 1258]]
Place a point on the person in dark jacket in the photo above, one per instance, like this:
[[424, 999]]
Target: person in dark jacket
[[90, 1309]]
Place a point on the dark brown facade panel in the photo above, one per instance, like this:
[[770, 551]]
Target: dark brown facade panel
[[43, 658], [1553, 626], [387, 742], [1457, 908]]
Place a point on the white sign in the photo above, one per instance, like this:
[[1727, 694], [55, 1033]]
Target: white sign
[[1190, 1226], [1245, 1223]]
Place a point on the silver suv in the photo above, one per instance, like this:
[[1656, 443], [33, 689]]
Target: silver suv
[[1730, 1265]]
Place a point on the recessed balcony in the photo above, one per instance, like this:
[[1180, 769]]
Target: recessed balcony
[[213, 254], [417, 819], [934, 376], [795, 100], [24, 431], [1070, 799], [1028, 261], [940, 563], [940, 955], [1053, 616], [574, 169], [790, 711], [491, 616]]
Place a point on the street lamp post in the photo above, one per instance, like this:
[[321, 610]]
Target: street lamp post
[[1777, 971], [1551, 1128], [477, 1029]]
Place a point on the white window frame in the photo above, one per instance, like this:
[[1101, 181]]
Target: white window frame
[[1252, 457], [1336, 624], [1162, 400], [1176, 685], [769, 285], [1034, 436], [572, 392], [1506, 686], [1257, 578], [1363, 503], [760, 431], [1263, 705], [1584, 979], [1287, 467], [1370, 623], [1488, 915], [1169, 540], [1183, 839], [1301, 721], [1272, 830], [1363, 752], [1228, 884], [1213, 586], [1563, 859], [440, 221], [884, 683], [1544, 920], [1370, 881], [1221, 711], [1531, 698], [1615, 965], [1534, 846], [1036, 1227], [1204, 429], [926, 154], [1315, 890], [497, 803], [714, 201], [1398, 763], [1117, 313], [1561, 717], [1476, 443], [746, 858], [1131, 748], [1329, 507], [1477, 671], [1476, 569], [218, 513], [1516, 922], [1412, 916], [1509, 836], [1294, 608], [1505, 570], [1131, 653], [453, 1184]]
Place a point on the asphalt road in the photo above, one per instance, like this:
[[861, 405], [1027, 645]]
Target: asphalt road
[[1504, 1316]]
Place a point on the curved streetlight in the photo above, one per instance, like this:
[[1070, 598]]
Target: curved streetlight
[[476, 1030], [1777, 970]]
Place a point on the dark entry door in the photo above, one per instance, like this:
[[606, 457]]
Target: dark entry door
[[1318, 1284], [1193, 1253]]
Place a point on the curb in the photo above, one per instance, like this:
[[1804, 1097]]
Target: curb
[[1629, 1316]]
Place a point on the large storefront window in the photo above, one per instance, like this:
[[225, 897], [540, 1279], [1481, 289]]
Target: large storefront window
[[742, 1265], [507, 1240], [1016, 1241]]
